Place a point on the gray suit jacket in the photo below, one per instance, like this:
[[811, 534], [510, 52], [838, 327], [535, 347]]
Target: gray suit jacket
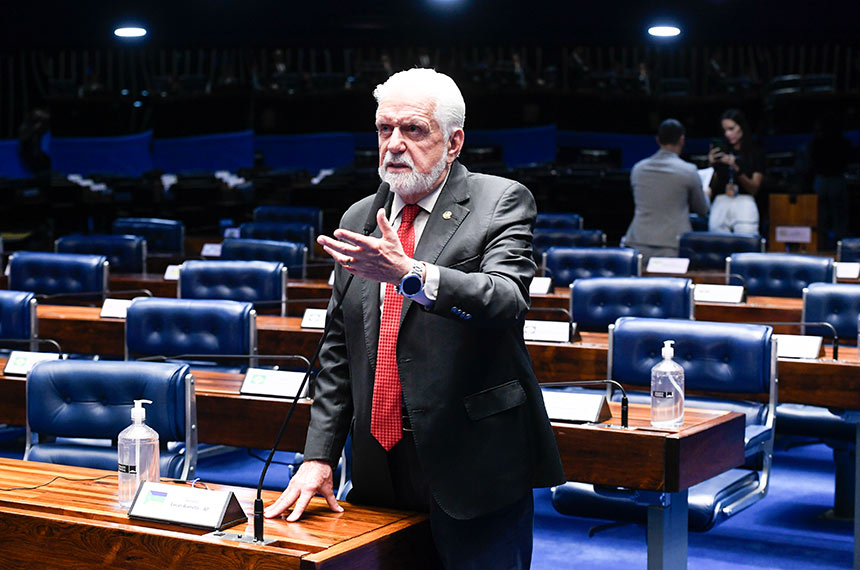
[[481, 432], [665, 189]]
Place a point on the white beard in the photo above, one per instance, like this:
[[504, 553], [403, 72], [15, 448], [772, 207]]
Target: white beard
[[412, 183]]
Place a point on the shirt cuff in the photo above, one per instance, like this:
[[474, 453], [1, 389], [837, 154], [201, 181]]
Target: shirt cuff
[[427, 295]]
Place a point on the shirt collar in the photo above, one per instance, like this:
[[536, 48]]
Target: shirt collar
[[426, 203]]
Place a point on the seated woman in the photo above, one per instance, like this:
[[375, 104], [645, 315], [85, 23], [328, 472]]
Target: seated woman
[[738, 171]]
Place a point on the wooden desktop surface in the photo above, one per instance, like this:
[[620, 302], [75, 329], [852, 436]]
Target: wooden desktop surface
[[79, 524], [821, 382]]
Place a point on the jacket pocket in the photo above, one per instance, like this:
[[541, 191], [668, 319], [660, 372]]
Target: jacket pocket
[[494, 400]]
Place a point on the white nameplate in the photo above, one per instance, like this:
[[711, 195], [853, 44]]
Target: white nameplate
[[547, 331], [576, 407], [171, 273], [797, 346], [794, 234], [186, 505], [540, 286], [231, 233], [115, 308], [313, 319], [331, 279], [281, 383], [211, 250], [847, 270], [20, 362], [668, 265], [709, 293]]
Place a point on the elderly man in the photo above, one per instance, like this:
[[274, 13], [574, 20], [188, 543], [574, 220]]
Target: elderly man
[[445, 411]]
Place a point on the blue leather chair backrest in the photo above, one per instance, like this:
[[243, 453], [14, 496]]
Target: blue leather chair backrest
[[280, 231], [251, 281], [834, 303], [566, 264], [596, 302], [709, 250], [292, 254], [558, 220], [307, 215], [171, 327], [717, 357], [126, 253], [778, 274], [17, 312], [162, 236], [54, 273], [547, 238], [848, 249], [93, 399]]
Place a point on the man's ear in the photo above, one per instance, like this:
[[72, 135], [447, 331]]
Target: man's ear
[[455, 145]]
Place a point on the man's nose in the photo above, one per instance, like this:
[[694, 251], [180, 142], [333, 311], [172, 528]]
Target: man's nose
[[396, 141]]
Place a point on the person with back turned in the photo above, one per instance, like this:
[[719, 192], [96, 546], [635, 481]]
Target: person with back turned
[[665, 190], [445, 411]]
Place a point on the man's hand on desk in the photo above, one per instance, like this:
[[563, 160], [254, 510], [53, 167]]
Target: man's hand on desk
[[312, 477]]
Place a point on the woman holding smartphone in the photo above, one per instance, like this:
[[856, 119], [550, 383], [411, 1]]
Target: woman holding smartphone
[[738, 171]]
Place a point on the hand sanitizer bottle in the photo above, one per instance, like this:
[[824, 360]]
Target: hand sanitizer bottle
[[667, 391], [138, 455]]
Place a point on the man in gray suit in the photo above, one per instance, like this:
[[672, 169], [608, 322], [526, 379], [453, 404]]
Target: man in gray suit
[[665, 190], [445, 411]]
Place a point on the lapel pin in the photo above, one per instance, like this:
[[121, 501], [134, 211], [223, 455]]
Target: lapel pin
[[446, 215]]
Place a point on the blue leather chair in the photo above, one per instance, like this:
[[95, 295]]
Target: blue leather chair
[[597, 302], [547, 238], [81, 276], [163, 237], [302, 214], [709, 250], [718, 358], [279, 231], [251, 281], [698, 223], [292, 254], [778, 274], [126, 253], [848, 249], [18, 321], [839, 305], [567, 264], [171, 327], [72, 399], [557, 220]]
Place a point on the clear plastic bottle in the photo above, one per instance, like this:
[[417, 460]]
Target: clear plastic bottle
[[138, 455], [667, 390]]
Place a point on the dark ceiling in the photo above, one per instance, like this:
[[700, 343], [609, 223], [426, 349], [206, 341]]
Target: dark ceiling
[[78, 23]]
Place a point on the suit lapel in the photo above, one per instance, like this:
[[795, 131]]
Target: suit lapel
[[370, 310]]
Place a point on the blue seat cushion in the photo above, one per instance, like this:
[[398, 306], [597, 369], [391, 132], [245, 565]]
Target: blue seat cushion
[[813, 421]]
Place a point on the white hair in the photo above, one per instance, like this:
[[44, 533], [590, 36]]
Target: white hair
[[420, 83]]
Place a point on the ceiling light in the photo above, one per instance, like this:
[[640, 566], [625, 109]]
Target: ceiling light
[[664, 31], [129, 32]]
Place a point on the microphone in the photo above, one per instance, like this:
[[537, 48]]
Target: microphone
[[49, 341], [824, 324], [249, 357], [624, 403], [379, 201]]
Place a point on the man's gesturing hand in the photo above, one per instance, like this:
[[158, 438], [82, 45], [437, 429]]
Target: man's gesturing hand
[[312, 477], [378, 259]]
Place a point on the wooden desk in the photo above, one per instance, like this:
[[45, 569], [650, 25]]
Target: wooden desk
[[81, 525]]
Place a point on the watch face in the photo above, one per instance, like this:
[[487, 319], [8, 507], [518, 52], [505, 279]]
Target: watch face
[[410, 285]]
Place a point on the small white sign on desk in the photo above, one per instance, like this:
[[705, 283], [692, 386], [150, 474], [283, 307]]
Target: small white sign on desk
[[231, 233], [313, 319], [171, 273], [540, 286], [20, 362], [576, 407], [798, 346], [282, 383], [547, 331], [185, 505], [847, 270], [211, 250], [794, 234], [115, 308], [708, 293], [668, 265]]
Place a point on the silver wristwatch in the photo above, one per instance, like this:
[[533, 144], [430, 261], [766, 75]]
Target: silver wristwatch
[[413, 282]]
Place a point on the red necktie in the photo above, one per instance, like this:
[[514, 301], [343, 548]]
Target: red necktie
[[386, 421]]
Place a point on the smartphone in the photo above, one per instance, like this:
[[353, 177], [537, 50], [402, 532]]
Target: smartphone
[[721, 144]]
